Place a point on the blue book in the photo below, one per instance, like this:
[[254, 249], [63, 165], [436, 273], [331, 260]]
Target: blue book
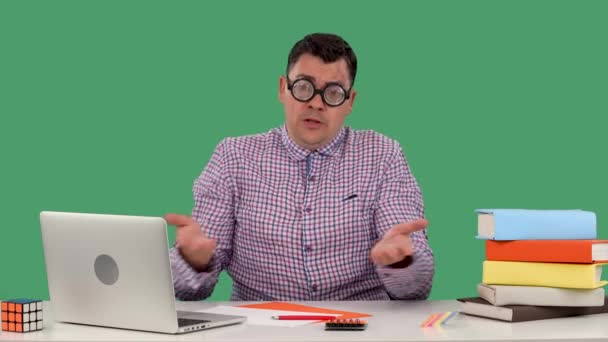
[[531, 224]]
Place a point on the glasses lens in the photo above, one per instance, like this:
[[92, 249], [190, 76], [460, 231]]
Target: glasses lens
[[303, 90], [334, 95]]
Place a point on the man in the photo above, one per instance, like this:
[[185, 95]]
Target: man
[[312, 210]]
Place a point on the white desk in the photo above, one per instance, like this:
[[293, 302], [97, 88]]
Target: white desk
[[391, 321]]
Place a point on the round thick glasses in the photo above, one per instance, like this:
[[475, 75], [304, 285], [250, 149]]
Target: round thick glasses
[[303, 90]]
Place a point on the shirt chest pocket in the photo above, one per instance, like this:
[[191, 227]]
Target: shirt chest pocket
[[346, 221]]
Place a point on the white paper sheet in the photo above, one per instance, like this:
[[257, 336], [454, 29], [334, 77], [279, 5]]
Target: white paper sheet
[[264, 316]]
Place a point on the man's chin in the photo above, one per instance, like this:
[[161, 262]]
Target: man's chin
[[315, 144]]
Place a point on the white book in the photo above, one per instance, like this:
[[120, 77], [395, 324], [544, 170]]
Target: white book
[[540, 295]]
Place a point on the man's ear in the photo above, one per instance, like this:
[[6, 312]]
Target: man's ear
[[282, 87], [351, 100]]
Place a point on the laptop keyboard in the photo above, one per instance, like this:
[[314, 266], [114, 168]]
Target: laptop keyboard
[[183, 322]]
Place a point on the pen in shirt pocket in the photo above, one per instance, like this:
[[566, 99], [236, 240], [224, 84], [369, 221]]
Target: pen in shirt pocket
[[349, 197]]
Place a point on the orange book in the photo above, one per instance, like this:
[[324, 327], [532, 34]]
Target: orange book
[[564, 251]]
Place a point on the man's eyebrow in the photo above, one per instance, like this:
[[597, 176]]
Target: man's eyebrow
[[312, 78]]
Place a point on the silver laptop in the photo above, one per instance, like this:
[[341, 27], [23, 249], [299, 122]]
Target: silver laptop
[[114, 271]]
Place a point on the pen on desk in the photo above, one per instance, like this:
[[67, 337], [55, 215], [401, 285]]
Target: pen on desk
[[303, 317]]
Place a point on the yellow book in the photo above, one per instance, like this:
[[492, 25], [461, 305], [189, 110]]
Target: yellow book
[[574, 276]]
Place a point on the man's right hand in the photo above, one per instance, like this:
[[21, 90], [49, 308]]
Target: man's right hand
[[193, 243]]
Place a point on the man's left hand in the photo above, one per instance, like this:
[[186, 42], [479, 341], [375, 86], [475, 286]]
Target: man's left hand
[[396, 244]]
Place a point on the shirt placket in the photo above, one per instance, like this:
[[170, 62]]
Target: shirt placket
[[308, 222]]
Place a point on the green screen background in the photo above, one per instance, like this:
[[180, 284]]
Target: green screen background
[[116, 106]]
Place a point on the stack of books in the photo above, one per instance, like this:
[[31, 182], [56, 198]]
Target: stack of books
[[539, 264]]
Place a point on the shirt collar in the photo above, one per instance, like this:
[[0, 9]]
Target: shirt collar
[[297, 152]]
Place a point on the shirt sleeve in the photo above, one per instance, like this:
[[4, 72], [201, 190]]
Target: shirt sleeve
[[214, 210], [400, 200]]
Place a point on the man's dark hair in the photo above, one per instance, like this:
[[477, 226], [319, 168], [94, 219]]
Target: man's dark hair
[[326, 46]]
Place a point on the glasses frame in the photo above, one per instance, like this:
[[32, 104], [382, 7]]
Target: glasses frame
[[321, 92]]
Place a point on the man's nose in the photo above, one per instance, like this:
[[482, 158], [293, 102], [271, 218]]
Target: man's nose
[[316, 103]]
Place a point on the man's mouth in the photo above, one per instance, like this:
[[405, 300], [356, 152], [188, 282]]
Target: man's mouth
[[312, 121]]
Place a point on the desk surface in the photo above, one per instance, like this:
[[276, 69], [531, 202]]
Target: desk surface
[[391, 321]]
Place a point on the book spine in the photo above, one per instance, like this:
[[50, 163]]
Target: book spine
[[544, 225], [562, 251], [548, 296], [539, 274]]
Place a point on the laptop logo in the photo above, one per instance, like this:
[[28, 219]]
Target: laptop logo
[[106, 269]]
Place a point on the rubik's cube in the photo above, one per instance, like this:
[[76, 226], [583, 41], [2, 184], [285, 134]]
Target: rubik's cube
[[21, 315]]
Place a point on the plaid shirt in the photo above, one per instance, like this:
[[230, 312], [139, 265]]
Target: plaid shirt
[[292, 224]]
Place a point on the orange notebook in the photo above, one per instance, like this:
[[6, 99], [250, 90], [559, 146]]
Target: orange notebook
[[564, 251], [304, 308]]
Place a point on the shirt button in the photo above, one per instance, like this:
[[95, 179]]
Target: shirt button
[[312, 178], [308, 209], [308, 248], [315, 288]]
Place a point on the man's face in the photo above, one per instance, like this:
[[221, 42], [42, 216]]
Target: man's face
[[313, 124]]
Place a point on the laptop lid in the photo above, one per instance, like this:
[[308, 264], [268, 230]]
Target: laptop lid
[[110, 270]]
